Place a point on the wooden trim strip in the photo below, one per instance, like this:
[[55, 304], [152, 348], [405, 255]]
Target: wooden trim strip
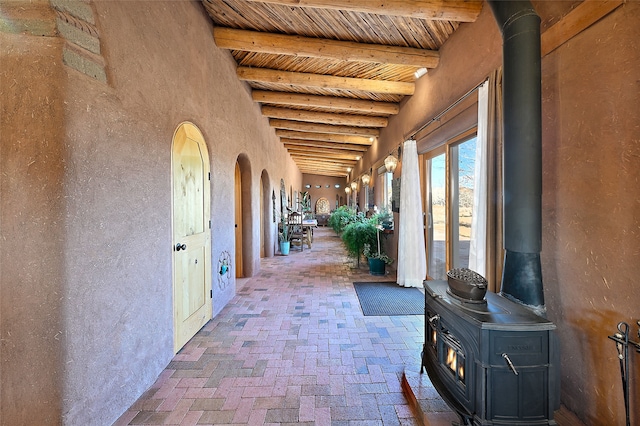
[[579, 19]]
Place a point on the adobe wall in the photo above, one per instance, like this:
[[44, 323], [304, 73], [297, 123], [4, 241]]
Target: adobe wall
[[591, 225], [32, 239], [87, 310], [329, 192]]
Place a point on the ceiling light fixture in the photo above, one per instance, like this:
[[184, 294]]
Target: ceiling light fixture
[[354, 185], [365, 179], [419, 73]]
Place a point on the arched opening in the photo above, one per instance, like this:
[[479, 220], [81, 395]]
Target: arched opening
[[267, 216], [243, 223]]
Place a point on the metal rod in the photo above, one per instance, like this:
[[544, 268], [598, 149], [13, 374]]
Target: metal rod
[[622, 346], [446, 110]]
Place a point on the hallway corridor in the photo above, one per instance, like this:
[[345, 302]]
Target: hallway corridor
[[293, 347]]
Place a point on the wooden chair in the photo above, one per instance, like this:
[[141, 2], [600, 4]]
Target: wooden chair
[[296, 230]]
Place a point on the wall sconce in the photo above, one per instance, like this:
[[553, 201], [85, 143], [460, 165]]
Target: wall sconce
[[390, 163], [365, 179], [354, 185]]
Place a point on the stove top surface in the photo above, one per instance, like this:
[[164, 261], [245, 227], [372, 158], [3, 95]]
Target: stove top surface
[[497, 313]]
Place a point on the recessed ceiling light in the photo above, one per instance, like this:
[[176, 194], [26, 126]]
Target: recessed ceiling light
[[357, 158]]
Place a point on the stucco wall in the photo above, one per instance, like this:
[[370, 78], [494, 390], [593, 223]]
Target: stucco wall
[[328, 193], [32, 238], [591, 224], [87, 311]]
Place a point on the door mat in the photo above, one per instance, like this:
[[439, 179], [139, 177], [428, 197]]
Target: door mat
[[389, 299]]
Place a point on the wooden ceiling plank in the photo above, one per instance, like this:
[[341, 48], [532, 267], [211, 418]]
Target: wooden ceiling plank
[[316, 159], [461, 11], [305, 100], [323, 128], [266, 75], [293, 45], [324, 117], [324, 144], [323, 155], [357, 140], [347, 155]]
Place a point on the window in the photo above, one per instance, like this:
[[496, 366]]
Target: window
[[384, 183], [450, 175]]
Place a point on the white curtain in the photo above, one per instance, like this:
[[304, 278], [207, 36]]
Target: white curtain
[[477, 249], [412, 265]]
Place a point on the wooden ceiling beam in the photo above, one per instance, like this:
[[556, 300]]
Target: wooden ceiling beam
[[323, 128], [265, 75], [326, 137], [449, 10], [324, 155], [294, 45], [316, 101], [324, 117], [347, 155], [326, 165], [317, 158], [322, 144], [315, 171]]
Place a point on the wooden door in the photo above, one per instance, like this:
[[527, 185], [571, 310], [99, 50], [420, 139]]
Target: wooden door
[[191, 234], [238, 214]]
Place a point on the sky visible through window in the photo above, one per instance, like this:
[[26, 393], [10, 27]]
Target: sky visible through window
[[467, 158]]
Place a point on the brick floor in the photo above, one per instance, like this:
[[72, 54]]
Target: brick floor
[[293, 347]]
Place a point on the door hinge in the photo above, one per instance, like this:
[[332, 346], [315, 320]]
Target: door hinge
[[209, 223], [211, 293], [209, 175]]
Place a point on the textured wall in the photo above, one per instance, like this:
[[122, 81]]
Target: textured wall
[[86, 199], [32, 238], [591, 200], [328, 193]]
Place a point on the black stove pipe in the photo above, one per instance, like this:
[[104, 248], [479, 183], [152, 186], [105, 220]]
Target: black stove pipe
[[522, 92]]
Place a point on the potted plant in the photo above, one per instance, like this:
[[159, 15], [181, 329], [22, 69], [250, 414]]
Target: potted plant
[[284, 237], [377, 260], [356, 234], [341, 217]]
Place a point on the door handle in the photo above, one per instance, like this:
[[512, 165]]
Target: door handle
[[181, 247]]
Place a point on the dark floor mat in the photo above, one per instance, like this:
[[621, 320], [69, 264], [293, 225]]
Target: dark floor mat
[[389, 299]]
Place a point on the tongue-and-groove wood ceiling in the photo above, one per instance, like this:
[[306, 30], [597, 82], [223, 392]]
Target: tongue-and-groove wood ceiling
[[329, 73]]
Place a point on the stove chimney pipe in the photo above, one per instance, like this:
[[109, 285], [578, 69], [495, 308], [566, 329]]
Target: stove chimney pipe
[[522, 93]]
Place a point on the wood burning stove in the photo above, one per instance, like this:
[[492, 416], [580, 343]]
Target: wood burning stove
[[493, 361]]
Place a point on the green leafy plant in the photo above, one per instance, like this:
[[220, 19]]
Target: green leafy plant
[[356, 234], [341, 217], [283, 234]]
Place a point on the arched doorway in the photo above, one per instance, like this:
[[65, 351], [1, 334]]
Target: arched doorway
[[267, 216], [191, 241], [238, 221]]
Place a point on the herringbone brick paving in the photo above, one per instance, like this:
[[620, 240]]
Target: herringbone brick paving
[[293, 347]]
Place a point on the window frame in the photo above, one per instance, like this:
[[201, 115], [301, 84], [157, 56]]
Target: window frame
[[448, 148]]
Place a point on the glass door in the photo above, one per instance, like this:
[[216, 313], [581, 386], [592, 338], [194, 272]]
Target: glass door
[[436, 203]]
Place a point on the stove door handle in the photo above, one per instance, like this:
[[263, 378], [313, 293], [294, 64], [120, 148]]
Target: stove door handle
[[510, 364]]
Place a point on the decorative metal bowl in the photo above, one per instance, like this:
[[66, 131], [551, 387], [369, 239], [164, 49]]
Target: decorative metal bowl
[[467, 284]]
